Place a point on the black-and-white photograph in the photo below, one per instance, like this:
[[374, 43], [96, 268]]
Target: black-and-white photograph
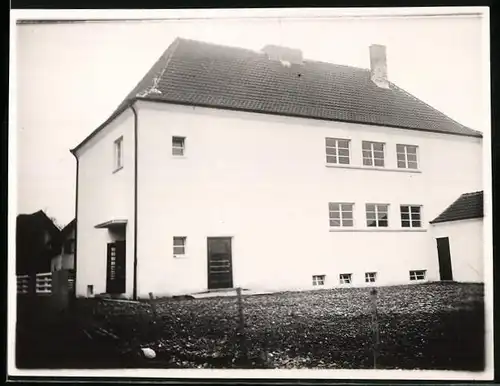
[[252, 190]]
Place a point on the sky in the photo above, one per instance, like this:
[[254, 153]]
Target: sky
[[70, 77]]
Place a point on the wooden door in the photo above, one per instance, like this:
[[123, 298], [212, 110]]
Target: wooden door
[[220, 270], [116, 273], [444, 256]]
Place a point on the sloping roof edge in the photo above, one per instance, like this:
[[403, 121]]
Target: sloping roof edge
[[452, 212]]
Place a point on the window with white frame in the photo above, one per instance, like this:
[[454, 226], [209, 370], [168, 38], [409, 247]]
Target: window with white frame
[[118, 154], [417, 275], [178, 146], [179, 246], [341, 214], [373, 153], [337, 151], [345, 278], [370, 277], [377, 215], [407, 156], [411, 216], [318, 280]]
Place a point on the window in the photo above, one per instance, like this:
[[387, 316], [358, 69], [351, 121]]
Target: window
[[119, 153], [178, 146], [345, 278], [370, 277], [377, 215], [373, 153], [340, 215], [318, 280], [411, 216], [407, 156], [337, 151], [179, 246], [417, 275]]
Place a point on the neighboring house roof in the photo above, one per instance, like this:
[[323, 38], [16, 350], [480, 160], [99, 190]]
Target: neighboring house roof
[[467, 206], [68, 229], [204, 74]]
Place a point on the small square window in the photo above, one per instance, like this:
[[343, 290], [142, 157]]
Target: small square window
[[411, 216], [341, 214], [178, 146], [345, 278], [179, 246], [337, 151], [373, 153], [417, 275], [370, 277], [318, 280], [118, 160]]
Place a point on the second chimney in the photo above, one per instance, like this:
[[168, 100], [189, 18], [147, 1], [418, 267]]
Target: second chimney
[[378, 65]]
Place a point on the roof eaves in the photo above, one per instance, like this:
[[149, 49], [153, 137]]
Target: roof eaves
[[207, 105]]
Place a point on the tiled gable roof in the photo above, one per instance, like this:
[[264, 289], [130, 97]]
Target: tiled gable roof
[[204, 74], [467, 206]]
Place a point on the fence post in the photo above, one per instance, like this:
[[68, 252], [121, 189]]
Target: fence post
[[375, 330], [241, 324], [152, 303]]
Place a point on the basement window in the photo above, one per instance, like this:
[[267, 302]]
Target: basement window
[[318, 280], [345, 278], [417, 275], [179, 246], [370, 277], [178, 146], [118, 154]]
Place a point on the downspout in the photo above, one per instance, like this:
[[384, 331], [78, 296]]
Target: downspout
[[76, 223], [134, 293]]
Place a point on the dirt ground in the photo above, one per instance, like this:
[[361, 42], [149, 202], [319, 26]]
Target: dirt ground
[[425, 326]]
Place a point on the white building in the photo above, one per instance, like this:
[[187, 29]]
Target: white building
[[227, 168]]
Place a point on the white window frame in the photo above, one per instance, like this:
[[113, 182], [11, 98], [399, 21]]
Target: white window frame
[[336, 147], [405, 156], [372, 151], [345, 278], [118, 154], [410, 215], [369, 276], [318, 280], [342, 219], [176, 147], [377, 211], [418, 274], [183, 245]]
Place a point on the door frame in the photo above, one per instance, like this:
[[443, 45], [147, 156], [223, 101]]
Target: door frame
[[231, 238]]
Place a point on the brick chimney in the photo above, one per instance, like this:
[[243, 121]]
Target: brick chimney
[[378, 65]]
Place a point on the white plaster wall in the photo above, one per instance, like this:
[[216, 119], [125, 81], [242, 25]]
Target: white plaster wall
[[104, 195], [466, 248], [262, 179]]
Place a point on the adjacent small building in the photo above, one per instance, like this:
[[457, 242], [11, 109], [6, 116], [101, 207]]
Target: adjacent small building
[[458, 231], [65, 260]]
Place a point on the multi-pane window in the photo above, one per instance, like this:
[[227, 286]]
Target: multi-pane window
[[417, 275], [337, 151], [407, 156], [370, 277], [373, 153], [377, 215], [179, 246], [411, 216], [345, 278], [178, 146], [340, 214], [318, 280], [118, 146]]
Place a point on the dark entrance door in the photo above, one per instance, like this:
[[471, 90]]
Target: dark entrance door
[[115, 278], [444, 256], [220, 270]]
